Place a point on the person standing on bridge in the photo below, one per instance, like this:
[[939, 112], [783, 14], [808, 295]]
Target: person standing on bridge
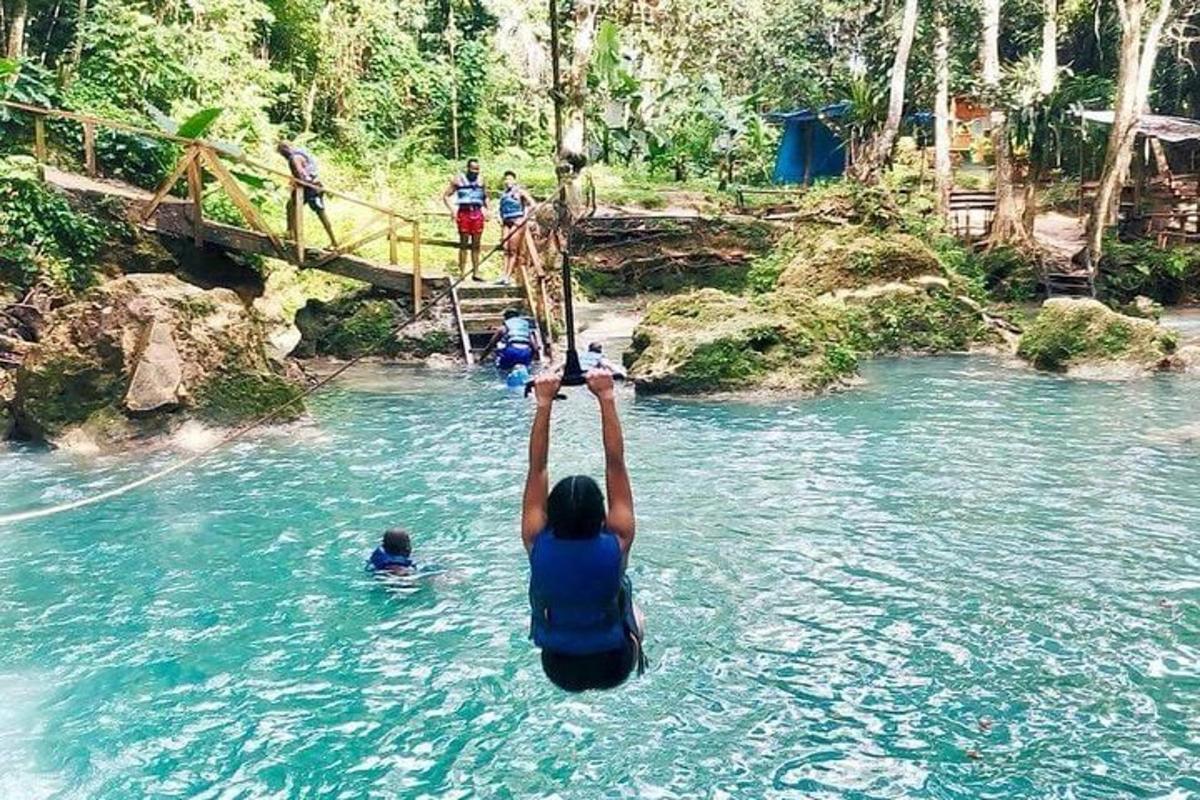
[[467, 209], [303, 166]]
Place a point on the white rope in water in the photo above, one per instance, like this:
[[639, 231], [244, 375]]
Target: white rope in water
[[83, 502]]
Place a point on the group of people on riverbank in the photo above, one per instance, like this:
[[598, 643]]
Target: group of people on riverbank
[[466, 198]]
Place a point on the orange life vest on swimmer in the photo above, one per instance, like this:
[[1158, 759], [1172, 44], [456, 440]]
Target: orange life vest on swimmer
[[574, 594]]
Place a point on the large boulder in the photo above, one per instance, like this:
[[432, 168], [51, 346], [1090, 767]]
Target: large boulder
[[829, 258], [1085, 337], [365, 323], [142, 353], [8, 390], [788, 340]]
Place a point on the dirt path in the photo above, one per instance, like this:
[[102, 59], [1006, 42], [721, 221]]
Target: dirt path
[[1061, 234]]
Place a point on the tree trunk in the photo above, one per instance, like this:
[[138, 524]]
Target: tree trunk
[[1006, 223], [77, 45], [16, 30], [1048, 74], [875, 154], [942, 132], [451, 39], [583, 39], [1135, 67]]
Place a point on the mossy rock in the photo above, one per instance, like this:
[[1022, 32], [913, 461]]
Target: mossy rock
[[1071, 333], [231, 396], [58, 391], [854, 256], [790, 340], [363, 324]]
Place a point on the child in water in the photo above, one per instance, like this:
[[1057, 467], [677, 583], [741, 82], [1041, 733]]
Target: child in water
[[583, 616], [394, 554]]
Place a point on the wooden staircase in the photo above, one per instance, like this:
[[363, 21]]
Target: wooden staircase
[[480, 308], [1070, 283]]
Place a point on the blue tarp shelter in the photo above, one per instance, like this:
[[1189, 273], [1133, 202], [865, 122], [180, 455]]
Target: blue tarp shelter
[[809, 148]]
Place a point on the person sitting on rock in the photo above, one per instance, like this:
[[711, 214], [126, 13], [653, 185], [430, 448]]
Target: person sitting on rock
[[394, 554], [518, 341], [582, 612]]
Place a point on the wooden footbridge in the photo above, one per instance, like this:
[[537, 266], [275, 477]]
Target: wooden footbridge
[[205, 167]]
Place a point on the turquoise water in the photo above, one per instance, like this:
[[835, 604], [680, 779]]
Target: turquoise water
[[961, 581]]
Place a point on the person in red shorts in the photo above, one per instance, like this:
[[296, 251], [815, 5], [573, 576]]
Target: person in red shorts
[[466, 200]]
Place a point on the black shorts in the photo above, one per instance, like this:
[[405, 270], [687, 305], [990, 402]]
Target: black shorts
[[606, 670]]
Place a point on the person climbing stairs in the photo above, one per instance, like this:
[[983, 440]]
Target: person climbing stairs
[[481, 310]]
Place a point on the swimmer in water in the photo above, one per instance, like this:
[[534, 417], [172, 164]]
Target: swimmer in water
[[394, 554], [583, 616]]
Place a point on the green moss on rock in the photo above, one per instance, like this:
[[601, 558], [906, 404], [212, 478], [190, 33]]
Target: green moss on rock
[[362, 324], [62, 390], [852, 256], [230, 396], [790, 340], [1071, 333]]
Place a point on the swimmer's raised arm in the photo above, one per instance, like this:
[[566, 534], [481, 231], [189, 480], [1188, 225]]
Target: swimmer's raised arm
[[620, 521], [537, 482]]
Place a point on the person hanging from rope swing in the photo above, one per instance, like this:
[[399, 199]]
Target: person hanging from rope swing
[[468, 210], [583, 617], [303, 166]]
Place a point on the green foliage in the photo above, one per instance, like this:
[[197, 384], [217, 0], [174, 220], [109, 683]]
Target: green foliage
[[195, 126], [66, 390], [1129, 269], [765, 269], [41, 238]]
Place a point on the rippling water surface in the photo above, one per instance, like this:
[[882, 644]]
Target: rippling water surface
[[963, 580]]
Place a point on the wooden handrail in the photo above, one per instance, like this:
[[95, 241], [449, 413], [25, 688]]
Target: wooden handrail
[[87, 119]]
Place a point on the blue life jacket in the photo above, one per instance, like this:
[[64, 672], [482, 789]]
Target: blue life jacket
[[574, 594], [518, 330], [310, 164], [511, 204], [469, 193], [381, 560]]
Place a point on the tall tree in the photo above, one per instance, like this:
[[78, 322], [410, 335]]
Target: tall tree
[[944, 177], [18, 15], [583, 40], [1007, 226], [1142, 25], [869, 168], [1047, 81]]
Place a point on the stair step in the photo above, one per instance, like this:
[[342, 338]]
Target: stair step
[[489, 305], [489, 291]]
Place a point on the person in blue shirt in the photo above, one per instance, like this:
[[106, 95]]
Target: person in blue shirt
[[581, 601], [394, 554], [303, 166], [515, 202], [518, 341]]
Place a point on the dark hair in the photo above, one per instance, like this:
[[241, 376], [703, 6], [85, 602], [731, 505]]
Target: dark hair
[[606, 670], [596, 347], [397, 543], [511, 312], [575, 508], [471, 161], [508, 172]]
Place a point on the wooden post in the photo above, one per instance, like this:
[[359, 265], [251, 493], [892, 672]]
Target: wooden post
[[180, 169], [249, 212], [39, 138], [297, 221], [416, 266], [393, 245], [196, 190], [89, 149]]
